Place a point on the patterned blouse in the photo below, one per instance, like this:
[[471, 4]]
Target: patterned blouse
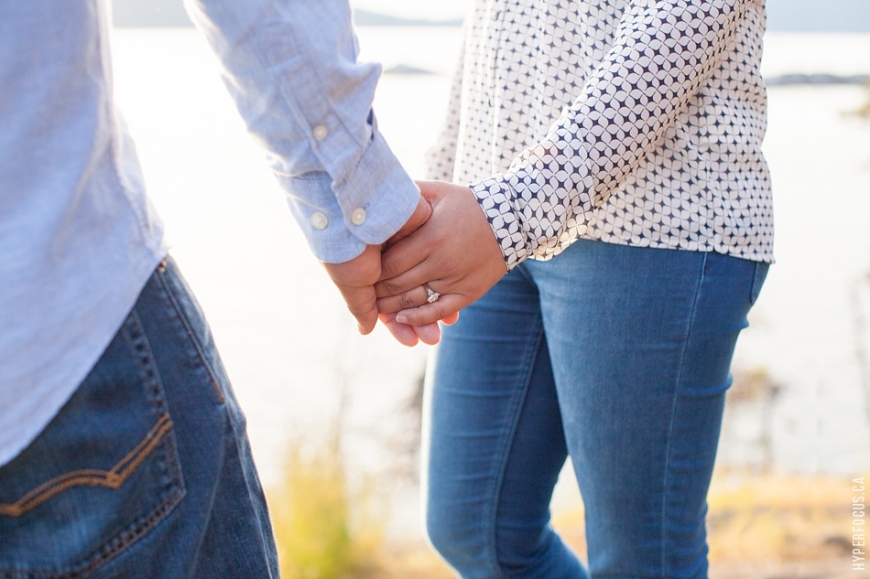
[[636, 122]]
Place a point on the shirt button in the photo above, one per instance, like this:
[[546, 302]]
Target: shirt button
[[358, 217], [320, 132], [319, 221]]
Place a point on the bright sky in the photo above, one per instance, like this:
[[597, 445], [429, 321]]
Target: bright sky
[[438, 10]]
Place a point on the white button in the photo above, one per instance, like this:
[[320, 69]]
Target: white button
[[320, 132], [319, 221], [358, 217]]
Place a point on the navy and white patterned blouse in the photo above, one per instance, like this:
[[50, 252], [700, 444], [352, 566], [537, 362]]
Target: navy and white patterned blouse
[[636, 122]]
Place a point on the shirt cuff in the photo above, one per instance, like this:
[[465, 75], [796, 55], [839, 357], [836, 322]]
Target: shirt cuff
[[371, 205], [495, 198], [313, 205], [378, 197]]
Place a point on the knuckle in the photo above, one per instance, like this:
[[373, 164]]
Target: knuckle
[[392, 287], [450, 266], [406, 301], [389, 269], [358, 310], [440, 312]]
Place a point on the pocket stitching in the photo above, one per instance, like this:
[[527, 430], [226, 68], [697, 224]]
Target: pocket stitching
[[123, 540], [160, 436], [113, 478]]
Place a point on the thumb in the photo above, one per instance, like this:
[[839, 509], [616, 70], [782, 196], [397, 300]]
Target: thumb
[[420, 216]]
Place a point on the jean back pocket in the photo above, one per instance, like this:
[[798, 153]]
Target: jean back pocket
[[101, 475]]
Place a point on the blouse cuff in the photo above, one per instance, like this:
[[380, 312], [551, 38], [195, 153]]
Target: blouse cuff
[[495, 199]]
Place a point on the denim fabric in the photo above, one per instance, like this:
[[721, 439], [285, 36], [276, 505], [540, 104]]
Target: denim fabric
[[617, 355], [146, 471]]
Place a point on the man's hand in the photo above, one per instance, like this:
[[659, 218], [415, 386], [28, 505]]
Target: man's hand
[[355, 280], [455, 253]]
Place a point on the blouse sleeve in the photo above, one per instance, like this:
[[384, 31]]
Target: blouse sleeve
[[664, 53]]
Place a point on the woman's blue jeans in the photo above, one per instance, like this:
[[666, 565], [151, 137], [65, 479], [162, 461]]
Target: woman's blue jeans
[[616, 355], [146, 471]]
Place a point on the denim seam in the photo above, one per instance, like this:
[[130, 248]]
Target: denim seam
[[758, 277], [189, 331], [666, 481], [158, 397], [142, 348], [496, 494]]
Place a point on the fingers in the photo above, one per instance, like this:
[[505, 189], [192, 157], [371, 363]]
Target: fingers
[[455, 249], [409, 335], [451, 319], [429, 333], [445, 308], [403, 333], [405, 255], [362, 304], [412, 279], [355, 280], [410, 299]]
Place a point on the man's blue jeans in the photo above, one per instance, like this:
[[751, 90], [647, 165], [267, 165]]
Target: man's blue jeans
[[617, 355], [146, 471]]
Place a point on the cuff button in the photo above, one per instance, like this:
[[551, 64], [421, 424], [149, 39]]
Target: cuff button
[[358, 217], [319, 221], [320, 132]]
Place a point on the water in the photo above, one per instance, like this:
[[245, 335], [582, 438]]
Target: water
[[292, 350]]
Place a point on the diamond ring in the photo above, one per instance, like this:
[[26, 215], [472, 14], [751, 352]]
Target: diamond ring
[[431, 295]]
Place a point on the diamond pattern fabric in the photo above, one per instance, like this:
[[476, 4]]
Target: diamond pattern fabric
[[632, 122]]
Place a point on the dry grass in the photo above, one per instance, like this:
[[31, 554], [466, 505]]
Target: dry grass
[[763, 520], [779, 518], [760, 525], [324, 531]]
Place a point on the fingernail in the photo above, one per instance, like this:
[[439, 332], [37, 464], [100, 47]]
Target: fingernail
[[402, 318]]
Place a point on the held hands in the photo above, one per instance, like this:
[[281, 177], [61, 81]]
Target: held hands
[[355, 280], [454, 253], [446, 244]]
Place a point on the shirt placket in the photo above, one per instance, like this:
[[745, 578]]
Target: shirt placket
[[495, 58], [495, 50]]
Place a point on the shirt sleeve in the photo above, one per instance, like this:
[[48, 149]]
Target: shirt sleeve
[[292, 70], [664, 52]]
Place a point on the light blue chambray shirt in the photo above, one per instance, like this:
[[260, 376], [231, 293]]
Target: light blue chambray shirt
[[78, 237]]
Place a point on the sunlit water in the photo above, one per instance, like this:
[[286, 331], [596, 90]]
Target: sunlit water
[[292, 352]]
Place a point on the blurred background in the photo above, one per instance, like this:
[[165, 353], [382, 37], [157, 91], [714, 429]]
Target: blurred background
[[334, 418]]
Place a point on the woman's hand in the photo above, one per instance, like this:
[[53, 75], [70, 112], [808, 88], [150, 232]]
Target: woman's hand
[[454, 253]]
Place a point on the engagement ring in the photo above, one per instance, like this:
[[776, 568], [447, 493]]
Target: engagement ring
[[432, 296]]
